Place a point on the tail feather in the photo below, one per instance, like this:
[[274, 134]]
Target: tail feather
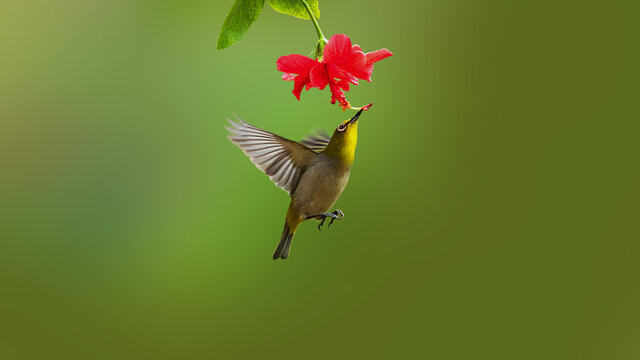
[[290, 225], [282, 251]]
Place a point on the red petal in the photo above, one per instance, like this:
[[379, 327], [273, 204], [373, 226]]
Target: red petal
[[378, 55], [298, 84], [356, 65], [318, 76], [336, 72], [357, 59], [337, 93], [295, 64], [362, 74], [337, 49], [288, 76], [344, 85]]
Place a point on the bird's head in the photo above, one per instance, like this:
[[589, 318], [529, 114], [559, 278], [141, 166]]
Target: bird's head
[[344, 139]]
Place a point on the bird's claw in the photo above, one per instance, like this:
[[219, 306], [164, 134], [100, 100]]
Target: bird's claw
[[321, 223], [339, 215], [336, 214]]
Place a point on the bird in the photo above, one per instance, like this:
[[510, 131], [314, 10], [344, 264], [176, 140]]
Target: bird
[[314, 171]]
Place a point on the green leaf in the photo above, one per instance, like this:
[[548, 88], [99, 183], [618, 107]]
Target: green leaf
[[242, 14], [296, 8]]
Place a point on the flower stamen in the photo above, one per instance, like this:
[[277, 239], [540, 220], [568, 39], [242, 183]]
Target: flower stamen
[[364, 108]]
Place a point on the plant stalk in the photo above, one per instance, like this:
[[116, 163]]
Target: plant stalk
[[315, 22]]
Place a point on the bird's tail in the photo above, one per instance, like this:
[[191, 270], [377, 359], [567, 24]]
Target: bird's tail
[[282, 251], [290, 225]]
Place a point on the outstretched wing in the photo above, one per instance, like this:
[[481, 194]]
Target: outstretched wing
[[281, 159], [317, 141]]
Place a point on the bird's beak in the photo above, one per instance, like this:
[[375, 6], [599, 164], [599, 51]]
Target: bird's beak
[[355, 118]]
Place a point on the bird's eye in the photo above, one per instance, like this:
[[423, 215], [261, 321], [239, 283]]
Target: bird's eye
[[342, 127]]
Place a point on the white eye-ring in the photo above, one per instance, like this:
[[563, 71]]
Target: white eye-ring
[[342, 127]]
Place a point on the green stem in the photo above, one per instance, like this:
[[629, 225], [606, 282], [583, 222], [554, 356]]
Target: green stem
[[315, 22]]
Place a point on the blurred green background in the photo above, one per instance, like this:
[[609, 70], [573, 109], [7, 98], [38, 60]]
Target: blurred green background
[[492, 210]]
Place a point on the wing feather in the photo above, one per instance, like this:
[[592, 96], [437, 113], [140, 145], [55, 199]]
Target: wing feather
[[316, 141], [281, 159]]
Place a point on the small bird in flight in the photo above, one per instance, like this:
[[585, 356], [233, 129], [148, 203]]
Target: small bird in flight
[[313, 171]]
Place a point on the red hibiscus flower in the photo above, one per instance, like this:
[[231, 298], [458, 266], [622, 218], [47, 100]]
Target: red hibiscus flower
[[341, 65]]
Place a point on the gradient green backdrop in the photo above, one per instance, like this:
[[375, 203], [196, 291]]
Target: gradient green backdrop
[[492, 210]]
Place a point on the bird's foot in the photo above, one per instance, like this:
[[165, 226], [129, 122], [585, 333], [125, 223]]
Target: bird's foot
[[336, 214]]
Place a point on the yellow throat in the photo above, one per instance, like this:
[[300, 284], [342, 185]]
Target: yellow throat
[[343, 143]]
